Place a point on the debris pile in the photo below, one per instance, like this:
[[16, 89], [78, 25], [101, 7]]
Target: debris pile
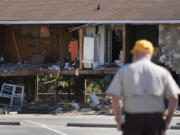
[[9, 110], [54, 67], [12, 93], [95, 106]]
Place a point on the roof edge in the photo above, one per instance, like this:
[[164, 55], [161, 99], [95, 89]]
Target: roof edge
[[91, 21]]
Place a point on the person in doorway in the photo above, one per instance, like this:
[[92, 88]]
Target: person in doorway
[[143, 85]]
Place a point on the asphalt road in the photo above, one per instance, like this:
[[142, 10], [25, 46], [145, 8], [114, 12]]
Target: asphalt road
[[56, 125]]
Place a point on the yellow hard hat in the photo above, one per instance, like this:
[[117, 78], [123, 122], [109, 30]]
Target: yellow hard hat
[[144, 46]]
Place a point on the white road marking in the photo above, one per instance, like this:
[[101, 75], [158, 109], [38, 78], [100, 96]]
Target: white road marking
[[46, 127]]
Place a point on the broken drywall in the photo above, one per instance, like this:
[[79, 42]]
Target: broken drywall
[[169, 42]]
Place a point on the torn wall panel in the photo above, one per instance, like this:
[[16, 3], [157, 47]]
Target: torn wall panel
[[30, 43], [169, 43]]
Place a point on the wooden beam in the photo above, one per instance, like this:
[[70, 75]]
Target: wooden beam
[[85, 90], [61, 48], [81, 35], [96, 94], [17, 49], [64, 40], [36, 87], [54, 72], [55, 93], [124, 42]]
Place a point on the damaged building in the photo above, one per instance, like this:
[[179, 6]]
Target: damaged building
[[85, 39]]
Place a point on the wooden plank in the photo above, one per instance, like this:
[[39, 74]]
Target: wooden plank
[[96, 72], [36, 87], [54, 72], [99, 94], [101, 32], [15, 43], [64, 40], [81, 35], [61, 48], [85, 90], [124, 42], [29, 46], [55, 93]]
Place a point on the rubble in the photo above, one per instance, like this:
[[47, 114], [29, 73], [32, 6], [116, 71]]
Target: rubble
[[94, 101], [12, 95], [68, 108], [75, 105], [170, 47], [67, 66], [95, 106], [39, 107], [54, 67], [3, 111], [12, 112], [9, 110]]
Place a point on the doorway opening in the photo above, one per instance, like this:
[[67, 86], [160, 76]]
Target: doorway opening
[[137, 32]]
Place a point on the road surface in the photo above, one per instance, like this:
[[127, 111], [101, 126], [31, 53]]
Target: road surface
[[57, 125]]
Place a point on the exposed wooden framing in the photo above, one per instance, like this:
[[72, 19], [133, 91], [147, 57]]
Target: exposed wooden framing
[[109, 45], [51, 81], [27, 45], [81, 35], [82, 26], [15, 43], [61, 48], [85, 90], [96, 94], [124, 42], [64, 39], [55, 93], [77, 28], [40, 72], [101, 32], [36, 87]]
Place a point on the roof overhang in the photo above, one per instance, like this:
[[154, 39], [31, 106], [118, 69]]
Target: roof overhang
[[93, 21]]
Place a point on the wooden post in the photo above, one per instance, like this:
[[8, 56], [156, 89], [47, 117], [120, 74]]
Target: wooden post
[[85, 90], [36, 87], [64, 40], [79, 91], [81, 35], [124, 42], [61, 48]]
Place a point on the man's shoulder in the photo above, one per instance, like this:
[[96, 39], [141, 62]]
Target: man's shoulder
[[124, 67], [159, 68], [147, 65]]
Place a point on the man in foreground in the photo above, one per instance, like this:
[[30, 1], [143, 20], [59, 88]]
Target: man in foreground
[[142, 86]]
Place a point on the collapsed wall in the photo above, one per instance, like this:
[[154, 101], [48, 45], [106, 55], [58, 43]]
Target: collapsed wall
[[169, 42]]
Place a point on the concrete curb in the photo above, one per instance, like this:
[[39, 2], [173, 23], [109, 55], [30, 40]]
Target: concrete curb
[[176, 115], [11, 123], [91, 125], [175, 127], [107, 125]]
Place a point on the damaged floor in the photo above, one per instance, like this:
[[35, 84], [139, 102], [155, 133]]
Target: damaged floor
[[11, 69]]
